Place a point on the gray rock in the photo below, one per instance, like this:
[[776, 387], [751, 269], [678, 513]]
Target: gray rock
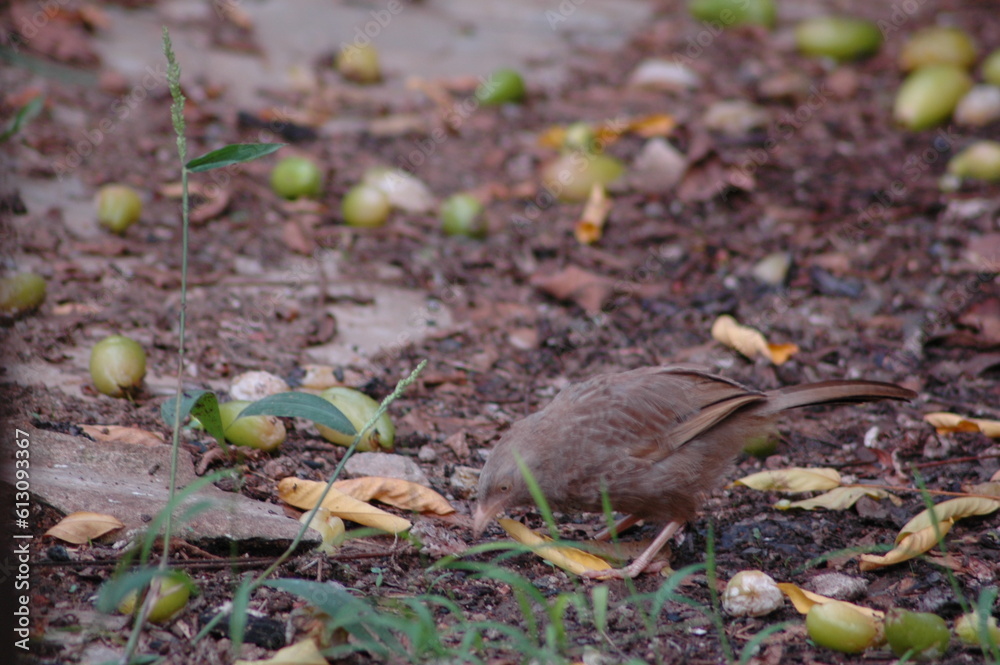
[[386, 465]]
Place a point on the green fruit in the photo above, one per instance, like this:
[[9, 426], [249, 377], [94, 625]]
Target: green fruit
[[923, 634], [929, 95], [838, 37], [118, 207], [21, 292], [365, 206], [838, 626], [938, 46], [502, 86], [296, 177], [261, 432], [730, 13], [967, 630], [980, 161], [360, 64], [571, 176], [991, 68], [761, 446], [462, 214], [117, 365], [358, 408], [580, 137], [172, 590]]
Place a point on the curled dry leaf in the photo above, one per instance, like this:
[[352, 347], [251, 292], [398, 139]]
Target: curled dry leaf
[[946, 423], [117, 433], [330, 527], [803, 600], [301, 653], [795, 479], [305, 494], [82, 527], [396, 492], [568, 558], [590, 227], [952, 509], [749, 341], [841, 498], [910, 546]]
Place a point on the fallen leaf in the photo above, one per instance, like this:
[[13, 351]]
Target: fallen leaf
[[568, 558], [121, 434], [803, 600], [396, 492], [952, 509], [749, 341], [656, 124], [82, 527], [946, 423], [301, 653], [330, 527], [841, 498], [795, 479], [588, 290], [908, 547], [305, 494], [590, 227]]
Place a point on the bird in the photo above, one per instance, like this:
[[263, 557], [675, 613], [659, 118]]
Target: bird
[[654, 440]]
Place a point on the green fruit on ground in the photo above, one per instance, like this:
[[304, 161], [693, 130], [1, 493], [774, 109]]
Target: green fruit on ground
[[991, 68], [118, 207], [929, 95], [729, 13], [360, 64], [938, 46], [261, 432], [980, 161], [968, 633], [580, 137], [462, 214], [922, 634], [358, 408], [296, 177], [571, 176], [501, 87], [21, 292], [365, 206], [838, 626], [117, 365], [172, 594], [838, 37]]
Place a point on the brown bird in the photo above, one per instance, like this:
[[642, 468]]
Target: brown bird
[[655, 440]]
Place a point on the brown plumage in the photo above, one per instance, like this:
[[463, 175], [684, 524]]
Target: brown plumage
[[656, 439]]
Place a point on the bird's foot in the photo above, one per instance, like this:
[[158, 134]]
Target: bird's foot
[[631, 571], [619, 527]]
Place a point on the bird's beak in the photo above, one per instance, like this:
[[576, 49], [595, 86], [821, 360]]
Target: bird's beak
[[482, 517]]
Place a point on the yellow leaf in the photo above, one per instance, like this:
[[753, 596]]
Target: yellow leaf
[[657, 124], [330, 527], [82, 527], [912, 545], [946, 423], [749, 341], [803, 600], [553, 137], [305, 494], [953, 509], [568, 558], [117, 433], [395, 492], [301, 653], [590, 227], [841, 498], [795, 479]]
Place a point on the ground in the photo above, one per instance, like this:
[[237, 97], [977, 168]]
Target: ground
[[892, 279]]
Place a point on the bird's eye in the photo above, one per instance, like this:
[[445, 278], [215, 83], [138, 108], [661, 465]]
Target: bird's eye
[[505, 487]]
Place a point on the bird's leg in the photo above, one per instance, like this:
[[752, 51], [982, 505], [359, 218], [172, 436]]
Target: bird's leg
[[642, 561], [620, 526]]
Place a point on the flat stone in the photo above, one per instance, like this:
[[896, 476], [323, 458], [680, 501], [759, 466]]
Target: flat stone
[[385, 465]]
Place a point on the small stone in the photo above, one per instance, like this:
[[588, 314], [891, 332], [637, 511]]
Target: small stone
[[838, 585], [980, 106], [735, 117], [658, 167], [427, 454], [773, 268], [386, 465], [660, 74], [252, 386], [464, 480], [752, 593]]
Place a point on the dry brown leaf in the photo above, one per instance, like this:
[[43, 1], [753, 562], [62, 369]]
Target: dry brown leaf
[[301, 653], [588, 290], [803, 600], [134, 435], [749, 341], [946, 423], [590, 227], [657, 124], [395, 492], [795, 479], [840, 498], [950, 510], [82, 527], [910, 546], [305, 494], [568, 558]]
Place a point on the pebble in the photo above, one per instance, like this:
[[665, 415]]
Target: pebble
[[386, 465], [838, 585], [464, 480]]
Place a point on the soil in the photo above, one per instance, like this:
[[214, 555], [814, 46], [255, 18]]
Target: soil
[[892, 279]]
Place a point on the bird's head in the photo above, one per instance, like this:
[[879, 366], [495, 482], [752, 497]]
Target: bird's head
[[501, 486]]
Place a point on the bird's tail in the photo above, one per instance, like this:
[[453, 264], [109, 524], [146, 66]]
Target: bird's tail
[[830, 392]]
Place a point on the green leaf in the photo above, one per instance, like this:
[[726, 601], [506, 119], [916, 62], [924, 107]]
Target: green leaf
[[236, 153], [203, 405], [24, 115], [301, 405]]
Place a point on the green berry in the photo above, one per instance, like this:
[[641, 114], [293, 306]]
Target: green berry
[[929, 95], [117, 365], [360, 64], [358, 408], [923, 634], [296, 177], [938, 46], [118, 207], [991, 68], [838, 37], [21, 292], [571, 176], [261, 432], [462, 214], [838, 626], [729, 13], [502, 86], [365, 206], [172, 594], [980, 161]]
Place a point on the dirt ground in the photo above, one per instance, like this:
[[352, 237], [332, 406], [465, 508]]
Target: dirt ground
[[891, 279]]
